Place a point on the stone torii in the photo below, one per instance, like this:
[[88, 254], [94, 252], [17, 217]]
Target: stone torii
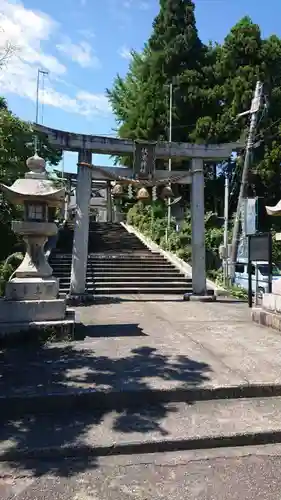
[[86, 145]]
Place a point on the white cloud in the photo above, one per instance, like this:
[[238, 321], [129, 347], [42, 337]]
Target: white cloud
[[80, 53], [28, 31], [144, 6], [139, 4], [125, 52], [92, 103], [88, 34]]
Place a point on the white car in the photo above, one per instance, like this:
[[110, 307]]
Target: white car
[[260, 271]]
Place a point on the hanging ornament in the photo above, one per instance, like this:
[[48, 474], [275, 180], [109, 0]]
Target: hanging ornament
[[167, 192], [154, 193], [143, 194], [117, 190]]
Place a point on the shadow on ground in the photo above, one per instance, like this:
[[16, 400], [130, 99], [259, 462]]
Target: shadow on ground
[[64, 368], [91, 300], [108, 331]]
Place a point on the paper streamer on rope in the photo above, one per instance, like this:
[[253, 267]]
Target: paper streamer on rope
[[130, 191]]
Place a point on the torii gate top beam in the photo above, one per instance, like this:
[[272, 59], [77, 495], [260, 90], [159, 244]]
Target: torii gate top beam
[[69, 141]]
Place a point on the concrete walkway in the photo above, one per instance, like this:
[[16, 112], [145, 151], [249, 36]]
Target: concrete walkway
[[232, 475], [236, 474], [144, 376], [134, 344]]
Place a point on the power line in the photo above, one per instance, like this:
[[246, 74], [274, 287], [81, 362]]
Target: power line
[[268, 128]]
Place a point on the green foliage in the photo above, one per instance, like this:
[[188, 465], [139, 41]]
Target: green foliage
[[235, 291], [276, 250], [151, 220], [7, 268], [212, 84], [16, 145]]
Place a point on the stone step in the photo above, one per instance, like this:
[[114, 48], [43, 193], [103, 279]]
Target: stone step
[[126, 277], [129, 279], [113, 262], [119, 269], [142, 290], [125, 282], [129, 289], [108, 257], [128, 262], [141, 274], [115, 274], [153, 428]]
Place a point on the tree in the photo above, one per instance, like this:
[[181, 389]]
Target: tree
[[7, 50], [174, 52], [212, 85], [16, 145]]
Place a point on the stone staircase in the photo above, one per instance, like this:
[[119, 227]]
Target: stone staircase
[[118, 263]]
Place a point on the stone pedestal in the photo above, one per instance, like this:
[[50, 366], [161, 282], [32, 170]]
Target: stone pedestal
[[269, 314], [32, 293], [33, 289], [15, 311]]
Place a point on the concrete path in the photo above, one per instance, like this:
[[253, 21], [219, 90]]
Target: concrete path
[[240, 474], [133, 352], [138, 345], [162, 427]]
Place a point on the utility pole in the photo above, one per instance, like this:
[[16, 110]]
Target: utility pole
[[170, 159], [255, 107], [225, 233], [44, 73]]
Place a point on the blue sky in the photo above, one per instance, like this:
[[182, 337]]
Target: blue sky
[[84, 43]]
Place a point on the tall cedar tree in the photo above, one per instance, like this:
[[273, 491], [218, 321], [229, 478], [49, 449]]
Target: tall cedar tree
[[173, 54], [212, 85]]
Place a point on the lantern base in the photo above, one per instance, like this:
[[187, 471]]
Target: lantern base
[[18, 331], [32, 289], [15, 311]]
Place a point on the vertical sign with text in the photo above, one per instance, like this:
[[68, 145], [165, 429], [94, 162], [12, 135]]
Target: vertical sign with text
[[144, 159]]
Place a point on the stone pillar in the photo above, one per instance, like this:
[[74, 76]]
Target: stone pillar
[[81, 228], [109, 202], [198, 228]]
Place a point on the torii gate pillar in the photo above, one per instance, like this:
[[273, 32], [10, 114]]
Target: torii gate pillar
[[198, 228], [81, 228]]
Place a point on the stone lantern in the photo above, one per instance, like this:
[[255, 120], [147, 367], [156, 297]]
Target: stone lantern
[[32, 292]]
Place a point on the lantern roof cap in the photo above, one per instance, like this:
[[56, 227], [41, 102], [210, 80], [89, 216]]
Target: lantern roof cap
[[35, 186], [36, 164]]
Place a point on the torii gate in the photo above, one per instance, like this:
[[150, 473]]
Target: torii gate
[[86, 145]]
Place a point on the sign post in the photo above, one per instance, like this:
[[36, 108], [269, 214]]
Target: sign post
[[259, 249]]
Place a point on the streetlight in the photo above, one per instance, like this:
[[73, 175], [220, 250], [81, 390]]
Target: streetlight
[[43, 73]]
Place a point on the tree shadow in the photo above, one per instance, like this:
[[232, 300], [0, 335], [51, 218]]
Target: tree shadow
[[87, 389]]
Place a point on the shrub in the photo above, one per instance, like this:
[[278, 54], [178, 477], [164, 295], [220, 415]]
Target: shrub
[[7, 268], [151, 220]]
